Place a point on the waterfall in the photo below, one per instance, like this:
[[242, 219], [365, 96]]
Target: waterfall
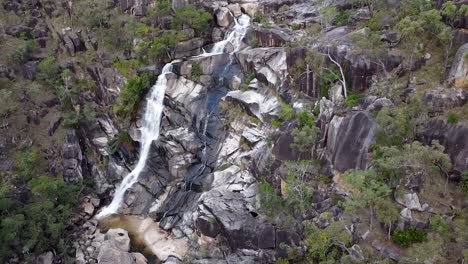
[[153, 112], [149, 133], [234, 37]]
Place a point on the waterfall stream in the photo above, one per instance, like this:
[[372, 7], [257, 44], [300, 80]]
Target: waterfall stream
[[153, 111], [149, 133], [234, 37]]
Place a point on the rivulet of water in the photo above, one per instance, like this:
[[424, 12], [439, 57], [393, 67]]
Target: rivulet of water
[[234, 37]]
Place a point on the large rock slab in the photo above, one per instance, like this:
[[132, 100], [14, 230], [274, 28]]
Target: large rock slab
[[349, 139], [115, 247], [459, 71], [455, 140], [268, 64], [272, 37], [257, 104]]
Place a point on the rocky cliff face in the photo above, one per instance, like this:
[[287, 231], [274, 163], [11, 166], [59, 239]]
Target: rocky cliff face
[[218, 142]]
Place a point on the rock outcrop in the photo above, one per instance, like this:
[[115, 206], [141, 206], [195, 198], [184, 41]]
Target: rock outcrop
[[348, 140], [459, 71], [455, 140]]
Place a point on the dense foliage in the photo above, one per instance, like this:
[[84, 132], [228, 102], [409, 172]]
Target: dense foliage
[[37, 221], [132, 93]]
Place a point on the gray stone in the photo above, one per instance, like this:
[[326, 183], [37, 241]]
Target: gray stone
[[455, 140], [258, 105], [349, 139], [335, 93], [188, 48], [267, 237], [235, 9], [444, 98], [356, 252], [223, 17], [458, 73], [409, 200], [46, 258], [386, 251], [118, 238], [268, 64]]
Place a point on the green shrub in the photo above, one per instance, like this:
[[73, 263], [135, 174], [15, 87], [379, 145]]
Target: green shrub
[[286, 112], [49, 71], [162, 8], [377, 21], [275, 123], [189, 15], [352, 99], [464, 182], [249, 78], [26, 163], [452, 118], [74, 119], [409, 236], [306, 119], [23, 53], [128, 68], [38, 223], [269, 200], [71, 119], [325, 179], [123, 138], [326, 79], [8, 104], [140, 29], [162, 47], [295, 26], [304, 138], [254, 43], [131, 94], [282, 261], [283, 8], [343, 16], [196, 71], [317, 110]]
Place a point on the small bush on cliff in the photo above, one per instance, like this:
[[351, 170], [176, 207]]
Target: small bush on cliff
[[189, 15], [295, 26], [269, 200], [409, 236], [131, 95], [49, 71], [7, 104], [304, 138], [196, 71], [306, 119], [325, 245], [452, 118], [162, 47], [128, 68], [26, 163], [464, 182], [352, 99], [343, 16], [123, 138], [162, 8], [286, 112], [23, 53]]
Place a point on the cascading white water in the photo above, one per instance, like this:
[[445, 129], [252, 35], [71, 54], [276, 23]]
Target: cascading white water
[[234, 37], [149, 133], [153, 112]]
